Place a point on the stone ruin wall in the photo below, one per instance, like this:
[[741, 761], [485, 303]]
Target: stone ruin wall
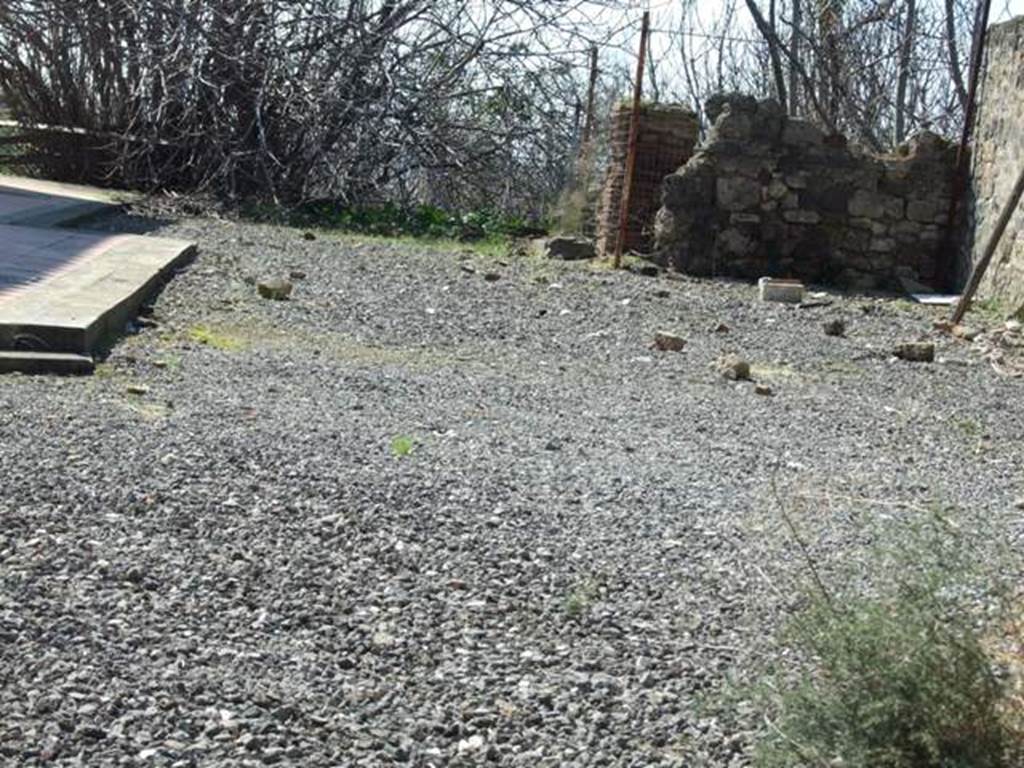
[[666, 138], [997, 161], [767, 194]]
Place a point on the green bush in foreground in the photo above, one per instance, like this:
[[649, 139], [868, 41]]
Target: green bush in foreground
[[897, 667], [892, 688]]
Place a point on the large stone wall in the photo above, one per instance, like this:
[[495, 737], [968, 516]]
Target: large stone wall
[[997, 161], [770, 195]]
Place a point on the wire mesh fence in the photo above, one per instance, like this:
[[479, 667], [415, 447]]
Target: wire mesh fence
[[665, 141]]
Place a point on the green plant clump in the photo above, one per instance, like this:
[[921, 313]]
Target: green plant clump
[[579, 601], [402, 446], [899, 677], [423, 221]]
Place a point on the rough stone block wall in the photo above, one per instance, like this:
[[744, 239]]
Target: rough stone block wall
[[771, 195], [997, 161], [665, 141]]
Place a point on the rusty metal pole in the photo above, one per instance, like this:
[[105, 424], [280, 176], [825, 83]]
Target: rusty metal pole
[[634, 132], [990, 248], [588, 126], [944, 271]]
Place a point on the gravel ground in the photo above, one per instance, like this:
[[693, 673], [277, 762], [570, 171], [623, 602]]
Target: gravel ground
[[220, 551]]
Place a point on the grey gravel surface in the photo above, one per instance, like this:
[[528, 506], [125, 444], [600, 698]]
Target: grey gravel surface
[[220, 550]]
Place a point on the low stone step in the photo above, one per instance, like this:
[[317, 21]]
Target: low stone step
[[86, 286], [45, 362]]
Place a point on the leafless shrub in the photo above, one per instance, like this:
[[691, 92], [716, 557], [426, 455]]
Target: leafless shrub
[[456, 102], [874, 70]]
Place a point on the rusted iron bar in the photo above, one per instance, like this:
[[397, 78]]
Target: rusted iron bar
[[990, 248], [945, 271], [634, 132], [588, 126]]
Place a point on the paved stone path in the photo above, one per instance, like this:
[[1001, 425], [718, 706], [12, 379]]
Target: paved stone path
[[39, 203], [67, 291]]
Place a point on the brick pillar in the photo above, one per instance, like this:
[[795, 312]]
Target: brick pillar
[[665, 142]]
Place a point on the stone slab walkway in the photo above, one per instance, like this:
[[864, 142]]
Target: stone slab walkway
[[39, 203], [68, 291]]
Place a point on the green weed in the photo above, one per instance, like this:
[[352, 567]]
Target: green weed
[[203, 334], [391, 220], [580, 599], [402, 446], [970, 427]]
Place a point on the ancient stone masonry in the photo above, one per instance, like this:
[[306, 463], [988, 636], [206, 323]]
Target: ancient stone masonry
[[665, 141], [997, 161], [771, 195]]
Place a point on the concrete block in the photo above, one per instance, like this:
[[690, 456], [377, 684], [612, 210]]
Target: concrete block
[[783, 291]]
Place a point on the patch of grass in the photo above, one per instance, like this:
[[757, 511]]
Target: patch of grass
[[772, 372], [491, 247], [207, 336], [332, 346], [894, 671], [991, 310], [482, 230], [575, 605], [402, 446], [13, 150], [995, 311], [417, 221], [841, 368], [903, 304], [103, 371], [580, 599], [970, 427], [147, 411]]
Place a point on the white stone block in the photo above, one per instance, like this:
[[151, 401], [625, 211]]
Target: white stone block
[[784, 291]]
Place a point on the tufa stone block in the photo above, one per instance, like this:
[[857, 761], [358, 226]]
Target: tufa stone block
[[737, 193], [783, 291]]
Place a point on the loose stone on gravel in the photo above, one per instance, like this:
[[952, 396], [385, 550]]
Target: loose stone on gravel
[[835, 327], [966, 333], [472, 744], [666, 341], [275, 289], [569, 248], [645, 270], [916, 351], [734, 368]]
